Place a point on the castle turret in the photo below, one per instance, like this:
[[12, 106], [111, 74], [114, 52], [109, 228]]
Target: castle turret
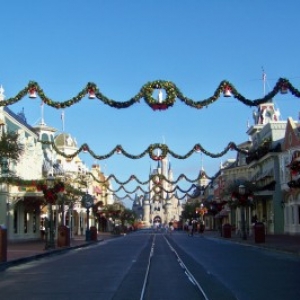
[[146, 211]]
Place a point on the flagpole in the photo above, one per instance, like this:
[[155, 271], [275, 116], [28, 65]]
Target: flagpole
[[63, 120], [264, 77], [42, 113]]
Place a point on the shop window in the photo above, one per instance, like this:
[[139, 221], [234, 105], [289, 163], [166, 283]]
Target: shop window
[[45, 137]]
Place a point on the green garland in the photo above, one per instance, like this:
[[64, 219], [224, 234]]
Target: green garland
[[146, 92], [134, 177], [164, 151], [184, 196], [38, 183], [152, 190]]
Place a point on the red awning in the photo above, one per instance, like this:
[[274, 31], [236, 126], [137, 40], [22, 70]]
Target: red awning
[[97, 190]]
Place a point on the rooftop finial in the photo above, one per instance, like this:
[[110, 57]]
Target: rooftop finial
[[2, 96]]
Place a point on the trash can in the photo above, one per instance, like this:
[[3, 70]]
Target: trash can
[[259, 232], [93, 233], [227, 230], [87, 235], [3, 243], [63, 237]]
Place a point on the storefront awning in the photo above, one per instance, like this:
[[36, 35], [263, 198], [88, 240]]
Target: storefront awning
[[97, 190]]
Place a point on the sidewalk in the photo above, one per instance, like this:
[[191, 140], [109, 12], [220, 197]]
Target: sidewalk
[[23, 251], [277, 242]]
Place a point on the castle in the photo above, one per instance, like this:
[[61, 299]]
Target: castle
[[161, 205]]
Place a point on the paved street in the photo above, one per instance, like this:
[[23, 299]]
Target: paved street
[[114, 268]]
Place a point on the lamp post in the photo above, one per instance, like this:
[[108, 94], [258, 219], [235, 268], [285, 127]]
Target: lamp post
[[202, 210], [87, 201], [70, 218], [242, 191], [50, 244], [50, 191], [242, 199]]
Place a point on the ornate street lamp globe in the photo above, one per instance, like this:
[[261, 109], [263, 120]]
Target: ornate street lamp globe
[[242, 189]]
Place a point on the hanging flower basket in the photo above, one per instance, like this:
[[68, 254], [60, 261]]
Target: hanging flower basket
[[50, 194]]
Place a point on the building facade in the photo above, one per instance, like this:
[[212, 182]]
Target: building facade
[[23, 209]]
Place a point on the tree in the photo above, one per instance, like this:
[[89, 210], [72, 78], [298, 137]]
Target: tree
[[189, 211], [10, 149], [127, 216]]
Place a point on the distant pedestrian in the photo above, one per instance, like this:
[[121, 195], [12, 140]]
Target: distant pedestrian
[[254, 220], [201, 227], [194, 227], [190, 228]]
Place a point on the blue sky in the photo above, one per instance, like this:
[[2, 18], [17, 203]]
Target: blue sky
[[121, 45]]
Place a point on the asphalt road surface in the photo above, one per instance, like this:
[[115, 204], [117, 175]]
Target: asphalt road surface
[[147, 265]]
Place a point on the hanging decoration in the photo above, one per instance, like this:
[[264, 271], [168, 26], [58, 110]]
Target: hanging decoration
[[184, 196], [51, 193], [238, 200], [91, 92], [225, 88], [227, 91], [160, 104], [155, 151], [156, 189], [158, 151], [40, 184], [32, 91]]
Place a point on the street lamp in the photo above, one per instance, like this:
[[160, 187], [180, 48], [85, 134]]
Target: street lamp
[[49, 237], [202, 210], [87, 201], [242, 199], [242, 192], [50, 191]]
